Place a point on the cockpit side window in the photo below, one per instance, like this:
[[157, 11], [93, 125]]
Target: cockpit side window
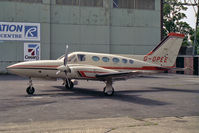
[[81, 57]]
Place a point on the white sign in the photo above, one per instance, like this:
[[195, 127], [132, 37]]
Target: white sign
[[19, 31], [31, 51]]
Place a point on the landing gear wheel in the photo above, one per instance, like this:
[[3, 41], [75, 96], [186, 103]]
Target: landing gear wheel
[[108, 93], [69, 86], [30, 90]]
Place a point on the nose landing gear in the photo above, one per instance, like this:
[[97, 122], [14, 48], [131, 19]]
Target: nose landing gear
[[30, 90]]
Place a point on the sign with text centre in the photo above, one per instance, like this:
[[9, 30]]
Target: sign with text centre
[[19, 31]]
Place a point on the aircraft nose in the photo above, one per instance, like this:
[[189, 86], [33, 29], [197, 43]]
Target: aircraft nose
[[10, 68], [14, 68]]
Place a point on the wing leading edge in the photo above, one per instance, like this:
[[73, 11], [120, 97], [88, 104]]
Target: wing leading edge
[[119, 75]]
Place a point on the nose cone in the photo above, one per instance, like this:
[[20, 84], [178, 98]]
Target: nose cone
[[15, 68], [11, 69]]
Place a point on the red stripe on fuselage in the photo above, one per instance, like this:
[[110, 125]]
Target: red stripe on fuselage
[[137, 68], [34, 66], [106, 67]]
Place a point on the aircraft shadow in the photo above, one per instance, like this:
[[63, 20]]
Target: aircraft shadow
[[10, 104], [89, 94], [174, 90], [9, 77]]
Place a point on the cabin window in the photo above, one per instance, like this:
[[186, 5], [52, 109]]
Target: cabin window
[[81, 57], [95, 58], [116, 60], [105, 59], [124, 61], [131, 61]]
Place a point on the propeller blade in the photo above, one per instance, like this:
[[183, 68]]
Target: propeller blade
[[68, 82], [58, 72], [66, 56], [66, 68]]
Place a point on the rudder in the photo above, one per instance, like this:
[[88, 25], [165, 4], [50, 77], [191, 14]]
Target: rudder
[[166, 52]]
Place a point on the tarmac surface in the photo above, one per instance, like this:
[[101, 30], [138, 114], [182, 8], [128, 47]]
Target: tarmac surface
[[165, 101]]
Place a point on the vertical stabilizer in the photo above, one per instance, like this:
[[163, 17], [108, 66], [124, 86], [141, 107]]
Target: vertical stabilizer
[[166, 52]]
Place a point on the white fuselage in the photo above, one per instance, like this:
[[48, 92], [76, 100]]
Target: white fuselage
[[83, 65], [102, 67]]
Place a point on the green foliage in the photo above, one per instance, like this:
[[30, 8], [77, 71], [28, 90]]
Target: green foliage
[[172, 20], [197, 39]]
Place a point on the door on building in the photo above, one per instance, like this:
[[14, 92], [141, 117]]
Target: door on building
[[180, 64]]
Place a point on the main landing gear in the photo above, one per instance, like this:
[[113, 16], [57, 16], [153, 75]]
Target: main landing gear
[[68, 84], [30, 90], [108, 89]]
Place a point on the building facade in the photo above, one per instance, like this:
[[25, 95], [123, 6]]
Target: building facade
[[108, 26]]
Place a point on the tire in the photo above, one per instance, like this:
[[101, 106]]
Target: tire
[[30, 90], [71, 85], [110, 93]]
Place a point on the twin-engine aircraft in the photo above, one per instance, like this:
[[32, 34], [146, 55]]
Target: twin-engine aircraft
[[101, 67]]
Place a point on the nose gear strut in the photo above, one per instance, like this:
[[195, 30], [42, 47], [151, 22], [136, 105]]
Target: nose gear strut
[[30, 90]]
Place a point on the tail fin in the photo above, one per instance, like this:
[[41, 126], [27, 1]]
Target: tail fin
[[166, 52]]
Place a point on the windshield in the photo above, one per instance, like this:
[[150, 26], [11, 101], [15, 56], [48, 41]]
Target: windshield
[[81, 57], [60, 57], [70, 57]]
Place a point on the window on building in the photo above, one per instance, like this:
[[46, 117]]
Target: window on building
[[145, 4], [91, 3], [30, 1], [95, 58], [81, 57], [68, 2], [105, 59], [95, 3], [134, 4], [116, 60], [115, 4], [124, 4]]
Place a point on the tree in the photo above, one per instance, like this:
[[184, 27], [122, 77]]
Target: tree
[[197, 38], [172, 19]]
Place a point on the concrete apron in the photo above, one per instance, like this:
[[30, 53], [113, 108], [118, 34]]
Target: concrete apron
[[108, 125]]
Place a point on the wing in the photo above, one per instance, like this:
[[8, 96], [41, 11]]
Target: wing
[[129, 74], [118, 75]]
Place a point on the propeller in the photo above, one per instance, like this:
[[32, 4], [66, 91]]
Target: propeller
[[66, 56], [65, 68]]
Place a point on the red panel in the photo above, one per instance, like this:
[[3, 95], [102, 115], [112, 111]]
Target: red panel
[[30, 50], [176, 34]]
